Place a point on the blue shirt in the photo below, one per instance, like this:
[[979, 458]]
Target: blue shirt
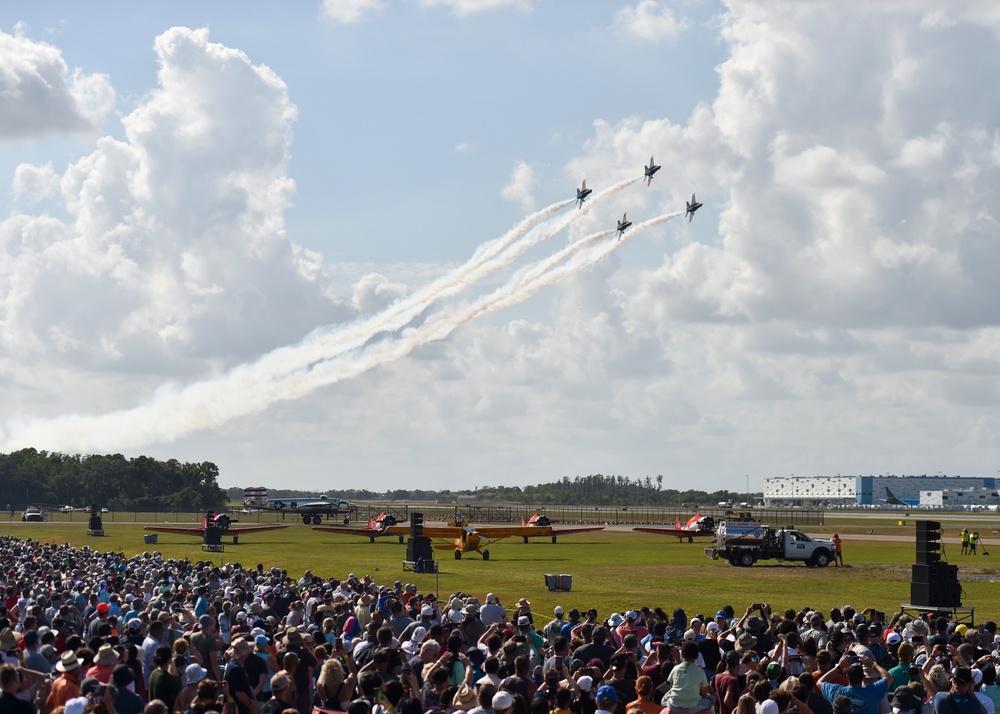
[[864, 700]]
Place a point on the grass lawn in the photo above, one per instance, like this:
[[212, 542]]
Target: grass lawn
[[612, 570]]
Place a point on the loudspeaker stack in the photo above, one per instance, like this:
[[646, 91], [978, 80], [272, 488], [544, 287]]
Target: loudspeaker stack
[[934, 582]]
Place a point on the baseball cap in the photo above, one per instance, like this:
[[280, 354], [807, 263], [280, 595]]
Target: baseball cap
[[607, 693], [558, 610], [585, 683], [501, 700], [733, 657]]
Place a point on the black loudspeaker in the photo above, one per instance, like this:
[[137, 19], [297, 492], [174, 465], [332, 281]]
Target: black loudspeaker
[[213, 535], [935, 585], [95, 523], [928, 542], [419, 547], [416, 526]]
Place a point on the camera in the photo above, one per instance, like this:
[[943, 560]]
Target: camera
[[758, 606]]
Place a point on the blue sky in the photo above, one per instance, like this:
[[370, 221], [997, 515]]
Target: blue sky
[[209, 202]]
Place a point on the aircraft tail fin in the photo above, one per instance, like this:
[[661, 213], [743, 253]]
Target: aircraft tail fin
[[677, 523]]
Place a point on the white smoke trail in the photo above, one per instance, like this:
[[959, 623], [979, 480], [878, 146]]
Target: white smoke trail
[[174, 413], [488, 258]]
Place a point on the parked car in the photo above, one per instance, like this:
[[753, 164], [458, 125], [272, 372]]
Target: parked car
[[31, 513]]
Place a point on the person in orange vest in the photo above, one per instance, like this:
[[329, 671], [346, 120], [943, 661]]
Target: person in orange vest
[[838, 558]]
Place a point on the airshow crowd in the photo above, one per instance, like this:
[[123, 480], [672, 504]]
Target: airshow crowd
[[85, 631]]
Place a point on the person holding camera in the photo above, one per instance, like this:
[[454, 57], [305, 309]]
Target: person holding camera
[[866, 696], [12, 684]]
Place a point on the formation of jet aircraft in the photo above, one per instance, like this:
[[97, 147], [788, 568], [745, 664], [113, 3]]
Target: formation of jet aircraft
[[648, 172]]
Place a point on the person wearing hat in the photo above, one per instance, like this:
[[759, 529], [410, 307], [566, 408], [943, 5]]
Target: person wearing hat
[[961, 699], [236, 679], [104, 664], [503, 703], [127, 701], [67, 685], [607, 699], [727, 684], [295, 642], [472, 625], [533, 639], [281, 696], [193, 674], [206, 645], [554, 628]]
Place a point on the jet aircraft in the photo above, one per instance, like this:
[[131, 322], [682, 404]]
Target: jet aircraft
[[696, 527], [220, 520], [650, 170], [311, 511], [582, 193], [623, 224], [466, 538], [692, 206], [892, 499]]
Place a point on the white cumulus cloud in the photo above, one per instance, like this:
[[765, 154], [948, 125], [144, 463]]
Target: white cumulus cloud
[[649, 21], [350, 11], [521, 186], [39, 95]]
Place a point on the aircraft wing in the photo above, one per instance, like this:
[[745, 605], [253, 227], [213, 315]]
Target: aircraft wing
[[195, 531], [200, 531], [252, 529], [366, 532], [574, 530], [675, 532]]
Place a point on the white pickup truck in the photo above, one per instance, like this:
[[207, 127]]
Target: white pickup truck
[[743, 543]]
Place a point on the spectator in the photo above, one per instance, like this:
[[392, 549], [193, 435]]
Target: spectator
[[866, 698], [67, 685], [163, 685], [689, 688]]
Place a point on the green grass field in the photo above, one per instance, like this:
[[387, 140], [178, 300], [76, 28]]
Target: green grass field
[[612, 570]]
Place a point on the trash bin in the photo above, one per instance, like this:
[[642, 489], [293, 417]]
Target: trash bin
[[149, 538], [565, 582], [551, 581]]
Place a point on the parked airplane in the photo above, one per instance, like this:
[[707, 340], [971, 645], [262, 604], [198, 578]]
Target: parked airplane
[[582, 193], [220, 520], [650, 170], [692, 206], [311, 511], [892, 500], [696, 527], [384, 524], [467, 538], [623, 224]]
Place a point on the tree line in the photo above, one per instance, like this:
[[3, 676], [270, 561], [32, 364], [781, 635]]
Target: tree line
[[593, 490], [108, 480]]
